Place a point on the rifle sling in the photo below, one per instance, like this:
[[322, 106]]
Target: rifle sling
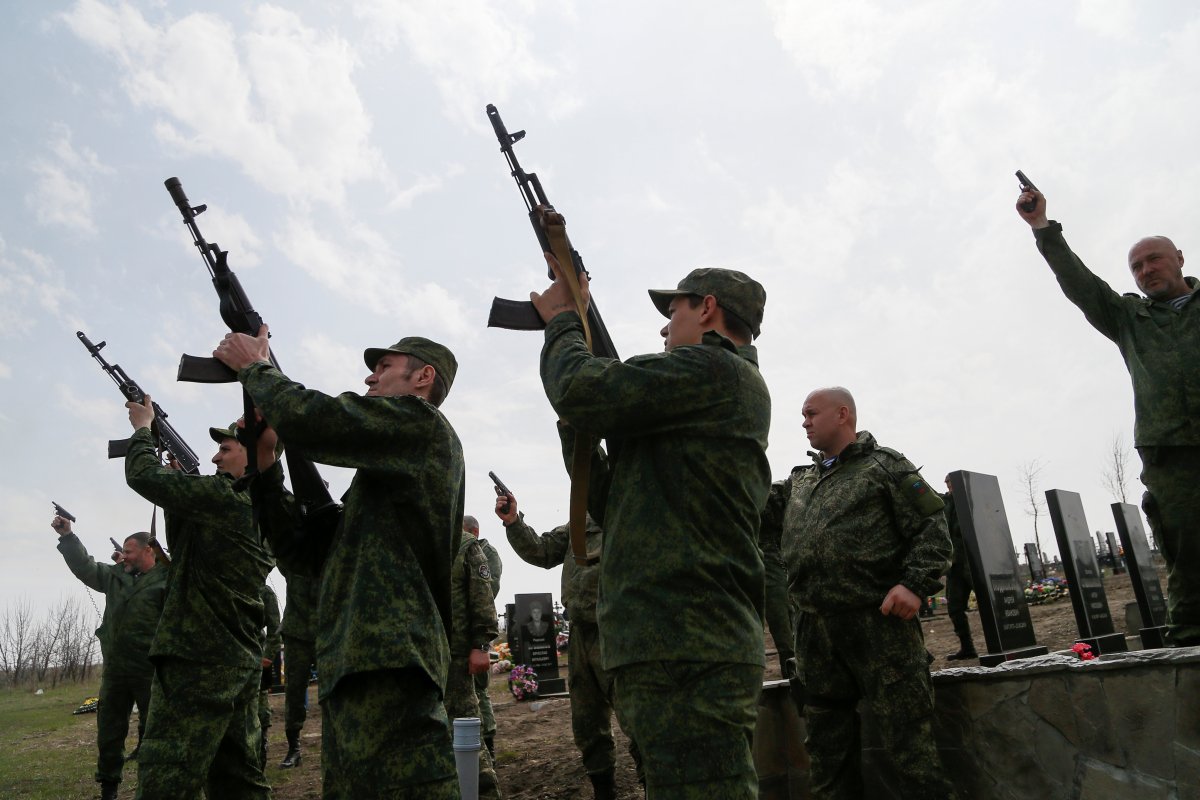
[[581, 461]]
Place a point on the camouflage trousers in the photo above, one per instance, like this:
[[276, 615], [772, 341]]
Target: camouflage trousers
[[117, 698], [692, 722], [299, 657], [461, 702], [779, 618], [487, 718], [882, 660], [202, 732], [385, 735], [1172, 505], [958, 596], [591, 690]]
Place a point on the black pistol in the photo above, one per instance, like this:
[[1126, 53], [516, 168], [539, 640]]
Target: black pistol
[[1027, 186], [501, 491], [62, 512]]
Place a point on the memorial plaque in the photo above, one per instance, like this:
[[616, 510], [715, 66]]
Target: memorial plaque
[[1114, 552], [1140, 562], [533, 622], [1085, 582], [1003, 615], [1037, 570]]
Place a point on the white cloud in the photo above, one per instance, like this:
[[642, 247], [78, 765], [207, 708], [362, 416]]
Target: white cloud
[[29, 281], [5, 371], [278, 99], [364, 268], [60, 193], [846, 47], [1112, 18], [475, 51]]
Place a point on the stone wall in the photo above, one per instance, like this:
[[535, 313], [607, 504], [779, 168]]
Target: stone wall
[[1120, 727]]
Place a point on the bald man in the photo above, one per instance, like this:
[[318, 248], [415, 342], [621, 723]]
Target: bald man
[[864, 540], [1159, 338]]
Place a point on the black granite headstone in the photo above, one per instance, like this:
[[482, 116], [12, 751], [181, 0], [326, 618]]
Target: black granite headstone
[[1144, 577], [1085, 582], [1003, 615], [1114, 553], [533, 622], [1037, 570]]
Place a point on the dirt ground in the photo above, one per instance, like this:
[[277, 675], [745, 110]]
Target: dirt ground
[[536, 758]]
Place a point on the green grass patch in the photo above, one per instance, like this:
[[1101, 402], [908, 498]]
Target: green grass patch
[[46, 752]]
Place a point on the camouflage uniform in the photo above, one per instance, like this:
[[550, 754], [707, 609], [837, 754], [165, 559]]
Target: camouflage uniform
[[269, 652], [958, 582], [207, 652], [679, 502], [132, 606], [1159, 344], [590, 685], [475, 628], [779, 615], [850, 532], [487, 718], [299, 650], [384, 601]]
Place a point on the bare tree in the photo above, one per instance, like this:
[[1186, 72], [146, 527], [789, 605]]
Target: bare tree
[[1035, 502], [16, 640], [1116, 468]]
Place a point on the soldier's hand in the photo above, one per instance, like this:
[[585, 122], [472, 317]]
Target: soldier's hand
[[266, 440], [237, 350], [1037, 217], [172, 462], [557, 297], [510, 516], [118, 556], [61, 525], [478, 662], [141, 414], [900, 602]]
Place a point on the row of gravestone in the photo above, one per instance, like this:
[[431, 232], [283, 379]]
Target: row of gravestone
[[1004, 616]]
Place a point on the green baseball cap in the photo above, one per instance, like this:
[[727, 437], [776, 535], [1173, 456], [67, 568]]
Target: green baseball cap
[[736, 292], [436, 355], [219, 435]]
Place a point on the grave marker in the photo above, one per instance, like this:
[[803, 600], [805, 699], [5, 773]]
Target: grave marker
[[1003, 615], [1085, 582], [1037, 570], [1140, 563], [533, 623]]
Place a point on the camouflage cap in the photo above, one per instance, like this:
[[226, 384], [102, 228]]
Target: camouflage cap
[[436, 355], [736, 292], [219, 435]]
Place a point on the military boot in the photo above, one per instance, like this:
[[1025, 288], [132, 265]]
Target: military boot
[[292, 759], [604, 785], [966, 650], [108, 790]]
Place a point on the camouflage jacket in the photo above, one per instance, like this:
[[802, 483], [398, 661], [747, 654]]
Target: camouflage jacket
[[132, 607], [1159, 345], [299, 615], [475, 623], [271, 639], [852, 531], [384, 601], [213, 613], [580, 584], [680, 498], [494, 564]]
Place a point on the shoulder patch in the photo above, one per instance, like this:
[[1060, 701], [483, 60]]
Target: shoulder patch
[[922, 495]]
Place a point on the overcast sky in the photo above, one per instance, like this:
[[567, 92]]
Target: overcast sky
[[856, 157]]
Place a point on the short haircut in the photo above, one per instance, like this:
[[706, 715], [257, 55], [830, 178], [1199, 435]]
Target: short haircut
[[470, 523], [735, 326], [439, 390], [141, 537]]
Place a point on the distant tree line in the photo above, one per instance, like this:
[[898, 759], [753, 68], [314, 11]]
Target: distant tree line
[[58, 647]]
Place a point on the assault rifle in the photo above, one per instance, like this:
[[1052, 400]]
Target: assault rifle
[[318, 511], [167, 437], [551, 231], [520, 315]]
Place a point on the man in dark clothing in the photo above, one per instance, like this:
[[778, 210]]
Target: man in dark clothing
[[134, 590], [958, 584], [679, 502], [1159, 338]]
